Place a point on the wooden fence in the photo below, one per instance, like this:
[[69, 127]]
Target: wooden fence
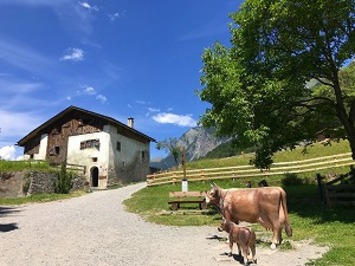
[[78, 168], [339, 191], [247, 171]]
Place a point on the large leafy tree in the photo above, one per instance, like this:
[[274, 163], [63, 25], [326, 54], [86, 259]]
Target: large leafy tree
[[282, 80]]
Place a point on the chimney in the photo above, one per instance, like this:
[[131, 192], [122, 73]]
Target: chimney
[[130, 122]]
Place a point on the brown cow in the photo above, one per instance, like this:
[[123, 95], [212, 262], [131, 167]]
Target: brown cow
[[243, 236], [265, 205]]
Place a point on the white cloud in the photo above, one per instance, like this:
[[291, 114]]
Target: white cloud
[[180, 120], [153, 110], [142, 102], [89, 91], [73, 54], [25, 122], [16, 87], [8, 152], [117, 15], [89, 7], [72, 13], [24, 57], [101, 98]]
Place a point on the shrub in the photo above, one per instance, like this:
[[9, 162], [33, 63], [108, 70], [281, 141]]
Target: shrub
[[64, 182], [26, 183]]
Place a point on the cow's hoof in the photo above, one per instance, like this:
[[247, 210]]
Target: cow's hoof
[[273, 246]]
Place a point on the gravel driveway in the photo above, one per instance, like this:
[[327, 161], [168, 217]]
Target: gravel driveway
[[95, 230]]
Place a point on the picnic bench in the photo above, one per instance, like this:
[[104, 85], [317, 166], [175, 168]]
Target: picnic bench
[[177, 198]]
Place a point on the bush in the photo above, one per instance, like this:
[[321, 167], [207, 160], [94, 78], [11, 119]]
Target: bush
[[26, 183], [64, 182]]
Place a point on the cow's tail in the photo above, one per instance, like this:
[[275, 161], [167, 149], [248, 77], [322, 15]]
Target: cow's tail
[[288, 228]]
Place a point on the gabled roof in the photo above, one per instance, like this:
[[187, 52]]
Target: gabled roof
[[72, 108]]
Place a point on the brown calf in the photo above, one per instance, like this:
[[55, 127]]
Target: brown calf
[[242, 236]]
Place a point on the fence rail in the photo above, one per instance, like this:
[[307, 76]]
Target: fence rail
[[241, 171], [78, 168]]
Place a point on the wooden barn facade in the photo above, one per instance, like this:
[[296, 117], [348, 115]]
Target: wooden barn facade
[[111, 151]]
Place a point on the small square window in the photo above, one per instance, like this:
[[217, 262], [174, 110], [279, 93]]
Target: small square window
[[94, 159]]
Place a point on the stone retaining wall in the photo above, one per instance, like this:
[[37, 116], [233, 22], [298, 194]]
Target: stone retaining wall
[[20, 184]]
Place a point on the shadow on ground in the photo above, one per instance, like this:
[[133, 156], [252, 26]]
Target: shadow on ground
[[7, 211], [8, 227]]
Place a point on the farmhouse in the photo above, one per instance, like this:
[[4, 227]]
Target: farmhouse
[[112, 152]]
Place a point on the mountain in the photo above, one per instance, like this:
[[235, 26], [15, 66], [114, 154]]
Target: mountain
[[198, 141]]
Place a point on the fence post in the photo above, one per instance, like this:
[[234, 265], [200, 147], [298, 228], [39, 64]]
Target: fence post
[[203, 176], [174, 178]]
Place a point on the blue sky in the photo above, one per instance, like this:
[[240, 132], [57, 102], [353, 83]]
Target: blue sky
[[120, 58]]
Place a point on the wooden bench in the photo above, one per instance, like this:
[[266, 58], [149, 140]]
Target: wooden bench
[[179, 197]]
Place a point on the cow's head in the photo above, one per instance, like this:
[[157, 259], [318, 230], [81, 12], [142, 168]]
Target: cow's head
[[222, 226], [213, 196], [225, 226]]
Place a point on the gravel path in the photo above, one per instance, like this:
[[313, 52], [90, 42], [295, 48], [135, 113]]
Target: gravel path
[[95, 230]]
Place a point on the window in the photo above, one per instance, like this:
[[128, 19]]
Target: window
[[118, 146], [54, 151], [91, 143], [94, 159]]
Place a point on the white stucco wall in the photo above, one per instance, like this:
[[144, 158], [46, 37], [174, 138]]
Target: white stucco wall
[[129, 157], [43, 146], [41, 155], [86, 156]]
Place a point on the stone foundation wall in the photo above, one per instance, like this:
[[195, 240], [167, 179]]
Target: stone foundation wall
[[40, 182], [20, 184]]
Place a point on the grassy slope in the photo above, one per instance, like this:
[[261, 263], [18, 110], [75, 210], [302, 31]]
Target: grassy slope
[[309, 218]]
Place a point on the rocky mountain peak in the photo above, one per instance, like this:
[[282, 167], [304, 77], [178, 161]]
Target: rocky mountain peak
[[198, 141]]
